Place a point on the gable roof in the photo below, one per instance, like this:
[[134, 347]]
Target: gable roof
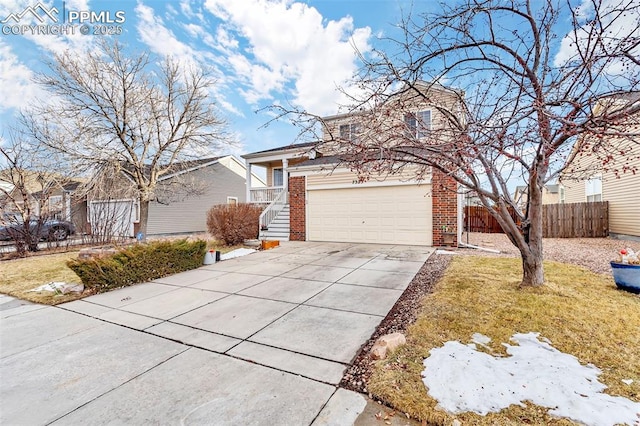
[[290, 147], [176, 168]]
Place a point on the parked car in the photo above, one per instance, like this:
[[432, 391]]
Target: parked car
[[12, 226]]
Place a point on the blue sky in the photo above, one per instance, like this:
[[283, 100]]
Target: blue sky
[[261, 52]]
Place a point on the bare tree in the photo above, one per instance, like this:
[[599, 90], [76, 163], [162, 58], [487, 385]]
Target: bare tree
[[109, 108], [525, 95], [25, 186]]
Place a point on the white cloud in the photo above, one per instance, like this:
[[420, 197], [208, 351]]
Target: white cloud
[[626, 25], [187, 10], [292, 43], [162, 41], [159, 38], [16, 86]]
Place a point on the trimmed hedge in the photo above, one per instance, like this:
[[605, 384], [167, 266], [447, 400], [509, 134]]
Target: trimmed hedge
[[139, 263]]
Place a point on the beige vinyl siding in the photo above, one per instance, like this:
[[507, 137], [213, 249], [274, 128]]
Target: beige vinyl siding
[[234, 165], [188, 214], [346, 177], [550, 197], [574, 192], [410, 102], [624, 203], [621, 192]]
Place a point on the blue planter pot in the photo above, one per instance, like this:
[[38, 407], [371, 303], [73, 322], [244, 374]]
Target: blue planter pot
[[626, 277]]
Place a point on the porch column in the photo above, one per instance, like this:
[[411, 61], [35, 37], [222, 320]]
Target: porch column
[[248, 180], [285, 176]]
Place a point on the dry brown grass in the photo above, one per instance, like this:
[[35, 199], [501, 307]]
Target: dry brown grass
[[18, 276], [582, 313]]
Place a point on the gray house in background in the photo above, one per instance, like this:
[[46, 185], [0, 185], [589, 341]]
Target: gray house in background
[[182, 198]]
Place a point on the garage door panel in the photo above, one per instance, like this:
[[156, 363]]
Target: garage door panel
[[390, 215]]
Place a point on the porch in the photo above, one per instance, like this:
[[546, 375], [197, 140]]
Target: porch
[[274, 197], [265, 195]]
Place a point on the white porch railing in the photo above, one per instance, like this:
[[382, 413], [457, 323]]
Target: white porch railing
[[269, 214], [264, 195]]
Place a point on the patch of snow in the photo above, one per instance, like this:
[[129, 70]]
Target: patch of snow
[[439, 251], [463, 379], [628, 382], [236, 253], [480, 339], [59, 287]]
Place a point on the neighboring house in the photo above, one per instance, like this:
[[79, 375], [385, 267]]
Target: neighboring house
[[551, 194], [48, 194], [311, 197], [618, 182], [181, 202], [18, 184], [65, 202]]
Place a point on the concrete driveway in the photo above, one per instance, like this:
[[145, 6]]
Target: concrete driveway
[[261, 339]]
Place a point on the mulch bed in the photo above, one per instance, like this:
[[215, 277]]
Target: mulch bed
[[403, 314]]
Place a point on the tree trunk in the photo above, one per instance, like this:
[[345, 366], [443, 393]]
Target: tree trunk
[[532, 256], [532, 270], [144, 218]]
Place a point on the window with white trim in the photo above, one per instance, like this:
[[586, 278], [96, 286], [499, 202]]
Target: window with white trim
[[593, 188], [562, 195], [55, 207], [349, 131], [418, 124], [232, 200], [278, 177]]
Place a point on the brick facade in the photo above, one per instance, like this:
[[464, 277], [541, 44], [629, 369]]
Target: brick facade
[[445, 208], [297, 208]]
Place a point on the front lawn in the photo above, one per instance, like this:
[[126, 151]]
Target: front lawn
[[18, 276], [581, 313]]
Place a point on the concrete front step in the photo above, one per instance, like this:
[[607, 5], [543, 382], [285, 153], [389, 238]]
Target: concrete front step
[[278, 228], [279, 221], [281, 226]]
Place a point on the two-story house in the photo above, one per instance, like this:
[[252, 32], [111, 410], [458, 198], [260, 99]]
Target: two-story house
[[311, 194], [615, 179]]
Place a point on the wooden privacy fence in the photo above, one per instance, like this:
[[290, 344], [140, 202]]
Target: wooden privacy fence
[[576, 220], [559, 220], [478, 219]]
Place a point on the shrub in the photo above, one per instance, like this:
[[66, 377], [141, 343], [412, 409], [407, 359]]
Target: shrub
[[139, 263], [232, 224]]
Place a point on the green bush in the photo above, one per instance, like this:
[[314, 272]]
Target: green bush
[[232, 224], [139, 263]]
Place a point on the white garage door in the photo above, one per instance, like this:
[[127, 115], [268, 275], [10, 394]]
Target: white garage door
[[384, 215], [112, 218]]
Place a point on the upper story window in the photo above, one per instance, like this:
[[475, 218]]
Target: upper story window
[[593, 188], [418, 124], [349, 132]]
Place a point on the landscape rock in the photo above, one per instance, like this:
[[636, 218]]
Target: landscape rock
[[386, 343]]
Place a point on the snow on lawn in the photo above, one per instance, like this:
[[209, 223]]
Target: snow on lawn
[[236, 253], [461, 379]]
